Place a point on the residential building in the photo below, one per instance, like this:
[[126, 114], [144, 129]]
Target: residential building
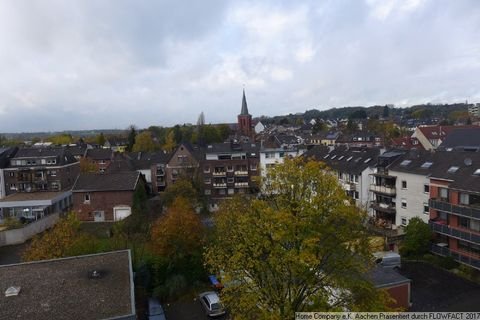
[[330, 139], [116, 144], [228, 169], [152, 166], [464, 139], [352, 166], [183, 162], [38, 182], [102, 158], [430, 137], [96, 286], [474, 110], [406, 143], [105, 197], [455, 207], [272, 153], [5, 155]]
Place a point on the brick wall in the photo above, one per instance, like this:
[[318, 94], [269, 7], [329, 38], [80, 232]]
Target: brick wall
[[401, 294], [100, 201]]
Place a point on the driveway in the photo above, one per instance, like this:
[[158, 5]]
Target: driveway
[[12, 254], [187, 309], [435, 289]]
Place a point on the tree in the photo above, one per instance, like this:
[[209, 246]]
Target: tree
[[144, 142], [302, 247], [61, 139], [170, 143], [62, 240], [132, 133], [417, 238], [181, 188], [87, 166], [100, 139], [358, 114], [179, 233], [386, 112]]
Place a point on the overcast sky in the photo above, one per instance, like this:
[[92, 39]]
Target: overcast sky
[[108, 64]]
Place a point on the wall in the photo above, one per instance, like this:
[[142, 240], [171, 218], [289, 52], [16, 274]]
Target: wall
[[100, 201], [16, 236], [401, 294], [414, 194]]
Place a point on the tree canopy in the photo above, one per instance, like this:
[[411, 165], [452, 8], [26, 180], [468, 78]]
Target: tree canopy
[[144, 142], [417, 238], [302, 247]]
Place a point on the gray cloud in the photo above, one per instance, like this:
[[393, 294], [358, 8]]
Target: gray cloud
[[108, 64]]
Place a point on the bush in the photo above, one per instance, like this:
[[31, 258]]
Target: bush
[[448, 263], [12, 223], [172, 289]]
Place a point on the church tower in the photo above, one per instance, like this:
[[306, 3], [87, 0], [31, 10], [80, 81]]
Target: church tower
[[245, 119]]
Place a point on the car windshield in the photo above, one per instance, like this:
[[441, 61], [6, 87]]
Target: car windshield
[[216, 306]]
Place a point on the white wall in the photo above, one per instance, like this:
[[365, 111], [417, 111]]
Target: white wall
[[275, 157], [414, 195]]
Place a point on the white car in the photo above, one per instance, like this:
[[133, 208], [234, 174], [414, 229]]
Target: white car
[[211, 304]]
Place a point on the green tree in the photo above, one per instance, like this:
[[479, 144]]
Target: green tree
[[386, 112], [132, 134], [61, 139], [170, 143], [183, 188], [301, 248], [100, 139], [144, 142], [417, 238]]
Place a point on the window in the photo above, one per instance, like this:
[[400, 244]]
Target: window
[[443, 193], [86, 198], [404, 184], [282, 154], [102, 170], [452, 169], [328, 155], [207, 180], [464, 198], [477, 172], [208, 192], [404, 221], [333, 157], [356, 195], [341, 158], [253, 167], [426, 209], [404, 203], [11, 174], [405, 163], [426, 165], [206, 169], [230, 180], [349, 158], [230, 168], [231, 191], [13, 186], [367, 160], [426, 188]]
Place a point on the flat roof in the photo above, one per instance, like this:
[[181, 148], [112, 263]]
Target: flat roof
[[64, 289], [40, 198]]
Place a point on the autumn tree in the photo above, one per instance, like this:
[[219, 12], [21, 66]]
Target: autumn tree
[[87, 166], [170, 143], [144, 142], [63, 240], [61, 139], [183, 188], [100, 139], [302, 247]]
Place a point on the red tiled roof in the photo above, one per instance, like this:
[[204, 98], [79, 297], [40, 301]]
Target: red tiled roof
[[436, 132]]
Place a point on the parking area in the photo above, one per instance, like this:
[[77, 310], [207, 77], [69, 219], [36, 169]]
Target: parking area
[[434, 289], [188, 308], [12, 254]]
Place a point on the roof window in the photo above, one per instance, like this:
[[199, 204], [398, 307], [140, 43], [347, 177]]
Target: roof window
[[349, 158], [452, 169], [367, 160], [477, 172], [405, 163], [426, 165], [333, 157], [341, 157]]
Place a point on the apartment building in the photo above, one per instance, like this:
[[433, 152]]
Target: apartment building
[[455, 207], [38, 182], [228, 169], [183, 162]]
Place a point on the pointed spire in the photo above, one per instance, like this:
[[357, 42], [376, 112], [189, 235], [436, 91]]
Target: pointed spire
[[244, 105]]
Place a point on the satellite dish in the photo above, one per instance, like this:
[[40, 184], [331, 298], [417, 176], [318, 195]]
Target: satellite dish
[[468, 162]]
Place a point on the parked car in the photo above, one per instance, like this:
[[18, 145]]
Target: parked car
[[155, 310], [388, 259], [211, 304]]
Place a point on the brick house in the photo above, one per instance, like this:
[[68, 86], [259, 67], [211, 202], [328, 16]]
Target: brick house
[[183, 162], [105, 197], [102, 158]]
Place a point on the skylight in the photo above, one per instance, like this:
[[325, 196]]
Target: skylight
[[358, 159], [367, 160], [477, 172], [341, 157], [426, 165], [452, 169], [333, 157], [350, 158], [328, 155], [405, 163]]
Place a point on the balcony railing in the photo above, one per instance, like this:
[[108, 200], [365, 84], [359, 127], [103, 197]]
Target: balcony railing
[[219, 173], [219, 185], [446, 252], [454, 232], [390, 190], [467, 211], [348, 186], [241, 184], [388, 208], [241, 173]]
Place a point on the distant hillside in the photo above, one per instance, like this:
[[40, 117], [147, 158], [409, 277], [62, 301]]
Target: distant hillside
[[441, 111]]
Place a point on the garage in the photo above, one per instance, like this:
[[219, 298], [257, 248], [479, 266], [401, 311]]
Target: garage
[[121, 212]]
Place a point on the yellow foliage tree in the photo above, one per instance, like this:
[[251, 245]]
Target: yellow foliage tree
[[144, 142], [170, 143]]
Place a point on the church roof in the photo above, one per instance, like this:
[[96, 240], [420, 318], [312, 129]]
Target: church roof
[[244, 105]]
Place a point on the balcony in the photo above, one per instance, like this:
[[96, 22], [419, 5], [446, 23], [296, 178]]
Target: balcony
[[241, 173], [454, 232], [241, 184], [348, 186], [466, 211], [443, 250], [219, 185], [384, 207], [388, 190], [219, 173]]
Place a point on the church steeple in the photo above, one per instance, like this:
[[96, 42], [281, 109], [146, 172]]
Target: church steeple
[[244, 105]]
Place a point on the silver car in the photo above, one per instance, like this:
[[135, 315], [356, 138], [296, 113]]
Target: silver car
[[211, 304]]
